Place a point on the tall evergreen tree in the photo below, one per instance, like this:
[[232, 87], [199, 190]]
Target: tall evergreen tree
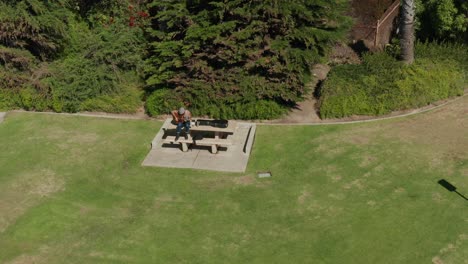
[[220, 56], [31, 32]]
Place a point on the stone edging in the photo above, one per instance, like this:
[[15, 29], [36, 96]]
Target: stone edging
[[130, 117], [413, 112]]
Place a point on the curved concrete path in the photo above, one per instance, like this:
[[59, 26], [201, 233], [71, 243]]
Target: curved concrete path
[[370, 119], [284, 121]]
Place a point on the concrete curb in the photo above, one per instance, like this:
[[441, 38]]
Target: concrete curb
[[265, 123], [160, 134], [2, 116], [103, 115]]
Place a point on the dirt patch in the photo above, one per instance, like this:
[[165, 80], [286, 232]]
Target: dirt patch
[[464, 172], [228, 205], [361, 136], [399, 190], [244, 180], [225, 182], [334, 152], [307, 110], [27, 259], [332, 173], [367, 161], [301, 199], [336, 178], [454, 252], [356, 184], [88, 138], [71, 137], [84, 210], [447, 125], [441, 135], [344, 54], [38, 258], [437, 197], [26, 191], [337, 196], [437, 138], [165, 199], [359, 140], [111, 257], [49, 184], [437, 260]]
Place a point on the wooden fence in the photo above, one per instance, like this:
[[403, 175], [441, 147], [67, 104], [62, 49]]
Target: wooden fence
[[375, 36]]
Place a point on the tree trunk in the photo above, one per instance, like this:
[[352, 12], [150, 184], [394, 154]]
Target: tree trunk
[[407, 31]]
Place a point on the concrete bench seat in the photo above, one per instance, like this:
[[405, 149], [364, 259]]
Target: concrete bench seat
[[171, 139], [213, 142], [183, 142]]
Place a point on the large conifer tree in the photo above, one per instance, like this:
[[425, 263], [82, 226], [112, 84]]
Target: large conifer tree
[[219, 57]]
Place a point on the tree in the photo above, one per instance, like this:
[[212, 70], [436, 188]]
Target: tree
[[54, 55], [442, 20], [407, 31], [31, 33], [218, 57]]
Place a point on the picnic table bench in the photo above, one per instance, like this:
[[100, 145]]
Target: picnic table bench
[[201, 135]]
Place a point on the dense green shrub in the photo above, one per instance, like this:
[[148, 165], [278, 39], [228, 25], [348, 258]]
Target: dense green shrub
[[257, 109], [121, 103], [218, 55], [99, 66], [161, 101], [445, 20], [262, 109], [7, 100], [34, 25], [382, 84], [77, 79], [444, 51], [26, 98], [55, 58]]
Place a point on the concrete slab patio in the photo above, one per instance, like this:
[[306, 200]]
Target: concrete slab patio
[[231, 159]]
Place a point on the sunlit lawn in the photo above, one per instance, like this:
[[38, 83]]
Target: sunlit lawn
[[72, 191]]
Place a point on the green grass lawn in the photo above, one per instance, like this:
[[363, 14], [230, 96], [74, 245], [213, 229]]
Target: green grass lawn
[[72, 191]]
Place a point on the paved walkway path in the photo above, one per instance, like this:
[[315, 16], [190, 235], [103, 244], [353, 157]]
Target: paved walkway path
[[300, 116], [2, 116], [364, 119], [306, 111]]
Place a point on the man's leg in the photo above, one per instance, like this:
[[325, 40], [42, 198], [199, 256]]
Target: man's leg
[[187, 129], [178, 129]]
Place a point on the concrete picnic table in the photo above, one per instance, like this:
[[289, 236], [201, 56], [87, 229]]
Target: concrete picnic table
[[199, 132]]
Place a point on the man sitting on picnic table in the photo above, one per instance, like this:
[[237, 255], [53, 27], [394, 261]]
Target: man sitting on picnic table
[[182, 119]]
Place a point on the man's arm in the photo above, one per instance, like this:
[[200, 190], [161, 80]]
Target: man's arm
[[188, 115], [175, 115]]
